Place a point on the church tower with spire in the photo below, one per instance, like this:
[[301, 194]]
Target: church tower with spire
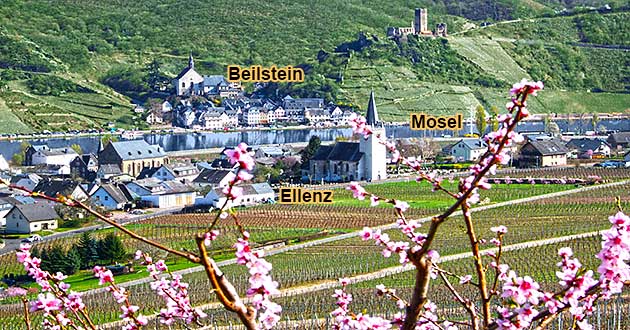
[[191, 61], [375, 153]]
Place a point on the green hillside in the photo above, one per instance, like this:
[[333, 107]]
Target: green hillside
[[100, 50]]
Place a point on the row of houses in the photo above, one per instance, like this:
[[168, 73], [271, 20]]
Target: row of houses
[[257, 112], [125, 175], [538, 151]]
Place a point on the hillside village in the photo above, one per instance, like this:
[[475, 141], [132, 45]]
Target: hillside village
[[212, 103]]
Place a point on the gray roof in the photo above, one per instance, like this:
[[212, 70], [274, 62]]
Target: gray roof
[[271, 150], [53, 187], [473, 144], [110, 169], [213, 80], [341, 151], [211, 176], [137, 149], [116, 192], [623, 137], [262, 188], [58, 151], [584, 144], [549, 147], [37, 212], [371, 116]]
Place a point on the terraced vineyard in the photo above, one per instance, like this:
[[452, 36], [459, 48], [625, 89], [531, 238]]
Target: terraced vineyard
[[491, 57]]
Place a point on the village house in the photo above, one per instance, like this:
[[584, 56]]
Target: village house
[[64, 187], [4, 165], [56, 156], [586, 148], [6, 205], [296, 108], [112, 196], [26, 219], [108, 171], [32, 149], [157, 193], [155, 118], [132, 156], [269, 151], [84, 166], [28, 181], [619, 140], [316, 116], [540, 153], [468, 150], [181, 172], [349, 161], [166, 106], [213, 178], [253, 194]]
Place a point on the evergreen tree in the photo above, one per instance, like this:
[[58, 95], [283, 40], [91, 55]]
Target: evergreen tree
[[55, 260], [72, 262], [111, 248], [87, 248]]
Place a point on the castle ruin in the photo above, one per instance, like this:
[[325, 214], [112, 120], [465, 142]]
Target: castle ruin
[[418, 27]]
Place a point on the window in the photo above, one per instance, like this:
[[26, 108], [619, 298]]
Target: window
[[183, 84], [106, 198]]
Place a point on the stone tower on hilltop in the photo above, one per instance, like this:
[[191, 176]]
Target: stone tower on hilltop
[[375, 162]]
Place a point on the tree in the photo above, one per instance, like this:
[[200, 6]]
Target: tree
[[108, 138], [20, 157], [594, 121], [154, 79], [311, 149], [54, 261], [553, 128], [480, 119], [111, 249], [87, 247], [494, 120], [72, 262], [77, 148]]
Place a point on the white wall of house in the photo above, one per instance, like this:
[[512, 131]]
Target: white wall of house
[[64, 159], [17, 224], [170, 200], [554, 160]]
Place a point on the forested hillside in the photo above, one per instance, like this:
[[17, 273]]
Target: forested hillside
[[95, 55]]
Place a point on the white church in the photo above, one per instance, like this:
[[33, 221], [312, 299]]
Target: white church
[[189, 82], [351, 161]]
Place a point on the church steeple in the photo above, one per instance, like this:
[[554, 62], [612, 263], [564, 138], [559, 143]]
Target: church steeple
[[191, 62], [372, 115]]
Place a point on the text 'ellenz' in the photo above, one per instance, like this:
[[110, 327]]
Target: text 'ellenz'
[[423, 121], [303, 196]]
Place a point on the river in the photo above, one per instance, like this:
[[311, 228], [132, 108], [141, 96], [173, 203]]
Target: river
[[191, 141]]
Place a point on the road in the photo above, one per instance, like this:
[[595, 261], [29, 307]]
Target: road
[[13, 244]]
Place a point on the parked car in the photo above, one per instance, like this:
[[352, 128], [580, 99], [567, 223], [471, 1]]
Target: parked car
[[32, 239], [136, 212]]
